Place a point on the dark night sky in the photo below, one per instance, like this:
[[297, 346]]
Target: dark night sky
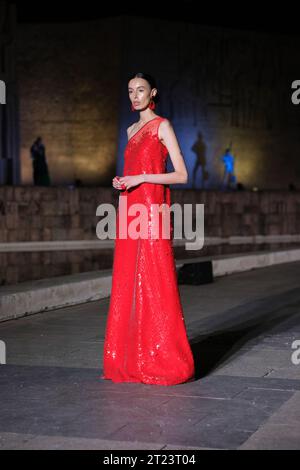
[[244, 15]]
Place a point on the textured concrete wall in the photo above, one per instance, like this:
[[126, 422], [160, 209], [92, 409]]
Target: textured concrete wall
[[49, 214], [69, 82], [45, 214]]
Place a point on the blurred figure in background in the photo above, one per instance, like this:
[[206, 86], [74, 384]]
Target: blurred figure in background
[[292, 187], [40, 167], [229, 179]]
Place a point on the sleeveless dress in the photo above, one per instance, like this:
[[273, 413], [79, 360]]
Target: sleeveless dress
[[145, 337]]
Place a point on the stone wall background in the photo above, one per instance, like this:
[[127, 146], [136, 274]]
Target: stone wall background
[[69, 83], [218, 87], [58, 213]]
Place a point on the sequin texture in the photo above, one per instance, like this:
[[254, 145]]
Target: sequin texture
[[145, 338]]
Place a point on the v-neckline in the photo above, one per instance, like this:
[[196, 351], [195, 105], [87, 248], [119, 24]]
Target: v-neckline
[[142, 128]]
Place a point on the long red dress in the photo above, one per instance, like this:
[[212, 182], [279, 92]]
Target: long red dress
[[145, 338]]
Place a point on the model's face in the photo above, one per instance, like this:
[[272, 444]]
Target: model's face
[[140, 92]]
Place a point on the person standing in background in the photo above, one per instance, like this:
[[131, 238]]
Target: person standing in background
[[229, 178], [40, 167]]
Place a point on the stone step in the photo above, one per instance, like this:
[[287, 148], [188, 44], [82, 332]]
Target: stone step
[[39, 296]]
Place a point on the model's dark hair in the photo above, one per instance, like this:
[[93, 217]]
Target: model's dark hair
[[150, 79]]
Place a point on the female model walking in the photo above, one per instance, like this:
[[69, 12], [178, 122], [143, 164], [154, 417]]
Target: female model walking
[[145, 337]]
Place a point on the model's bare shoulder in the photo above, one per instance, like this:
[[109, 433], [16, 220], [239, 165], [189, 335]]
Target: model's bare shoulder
[[130, 129], [164, 127], [166, 124]]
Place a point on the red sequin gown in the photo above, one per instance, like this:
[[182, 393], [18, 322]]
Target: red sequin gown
[[145, 337]]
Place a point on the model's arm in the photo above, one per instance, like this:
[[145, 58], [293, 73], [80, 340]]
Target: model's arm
[[180, 175], [116, 180]]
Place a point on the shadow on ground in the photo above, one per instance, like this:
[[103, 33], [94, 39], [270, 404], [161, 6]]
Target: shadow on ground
[[243, 324]]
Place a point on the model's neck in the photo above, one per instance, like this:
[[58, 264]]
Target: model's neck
[[146, 115]]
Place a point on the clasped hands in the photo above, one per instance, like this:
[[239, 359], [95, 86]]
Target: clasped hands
[[127, 182]]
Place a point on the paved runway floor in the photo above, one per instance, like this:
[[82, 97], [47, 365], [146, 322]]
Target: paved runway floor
[[246, 395]]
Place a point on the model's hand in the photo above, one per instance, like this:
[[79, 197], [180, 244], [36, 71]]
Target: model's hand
[[116, 183], [131, 181]]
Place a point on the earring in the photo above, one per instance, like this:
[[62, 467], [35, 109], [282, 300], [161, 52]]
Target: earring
[[151, 104]]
